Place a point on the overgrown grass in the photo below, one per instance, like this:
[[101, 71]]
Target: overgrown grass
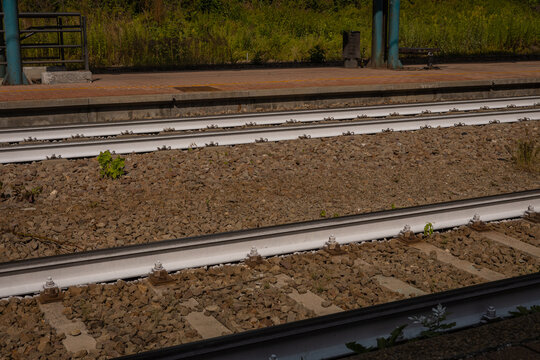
[[526, 154], [194, 32]]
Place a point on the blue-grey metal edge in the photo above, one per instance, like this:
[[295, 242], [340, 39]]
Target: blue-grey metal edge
[[325, 337]]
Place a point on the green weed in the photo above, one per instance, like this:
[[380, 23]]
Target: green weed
[[382, 343], [522, 311], [434, 322], [428, 229], [109, 166]]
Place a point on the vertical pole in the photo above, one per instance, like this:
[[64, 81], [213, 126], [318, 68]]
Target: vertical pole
[[377, 41], [59, 25], [84, 42], [393, 35], [14, 74], [2, 50]]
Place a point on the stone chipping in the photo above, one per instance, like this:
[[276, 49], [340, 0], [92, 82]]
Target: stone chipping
[[130, 317], [174, 194]]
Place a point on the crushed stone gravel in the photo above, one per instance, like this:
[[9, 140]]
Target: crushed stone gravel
[[129, 317], [472, 246], [523, 230], [63, 206]]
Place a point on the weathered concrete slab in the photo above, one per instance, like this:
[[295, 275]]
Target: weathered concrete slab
[[399, 286], [467, 266], [65, 77], [33, 73], [308, 300], [77, 337], [511, 242], [391, 283], [207, 326]]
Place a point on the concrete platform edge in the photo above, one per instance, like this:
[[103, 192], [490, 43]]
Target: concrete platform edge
[[119, 108]]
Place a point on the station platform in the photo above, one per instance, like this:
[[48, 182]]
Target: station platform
[[124, 84], [157, 95]]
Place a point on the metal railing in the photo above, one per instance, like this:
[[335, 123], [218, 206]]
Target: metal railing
[[61, 29]]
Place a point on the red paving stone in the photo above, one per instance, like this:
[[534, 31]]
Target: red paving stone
[[166, 82]]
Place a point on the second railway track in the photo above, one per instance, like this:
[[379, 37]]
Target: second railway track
[[139, 144]]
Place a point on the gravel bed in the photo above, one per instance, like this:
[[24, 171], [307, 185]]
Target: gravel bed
[[333, 278], [172, 194], [470, 245], [523, 230], [464, 344], [393, 258], [130, 317], [127, 318], [24, 334], [245, 297]]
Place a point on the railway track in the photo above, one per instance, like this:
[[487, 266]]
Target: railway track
[[274, 118], [87, 148], [28, 276], [202, 311]]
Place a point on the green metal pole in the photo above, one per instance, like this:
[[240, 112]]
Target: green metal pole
[[377, 39], [14, 74], [393, 35]]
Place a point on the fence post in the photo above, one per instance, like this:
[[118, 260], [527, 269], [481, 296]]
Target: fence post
[[85, 43], [377, 32], [393, 35], [14, 74]]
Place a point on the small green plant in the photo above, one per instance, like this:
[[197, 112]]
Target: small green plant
[[335, 215], [109, 166], [393, 206], [323, 213], [428, 229], [22, 193], [382, 343], [434, 322], [526, 154], [522, 311]]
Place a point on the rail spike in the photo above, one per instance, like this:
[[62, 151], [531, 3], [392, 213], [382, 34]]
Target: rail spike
[[51, 292], [158, 275], [253, 258], [531, 215], [408, 236], [332, 246], [476, 224]]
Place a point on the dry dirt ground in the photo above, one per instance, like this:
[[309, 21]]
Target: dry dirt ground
[[172, 194]]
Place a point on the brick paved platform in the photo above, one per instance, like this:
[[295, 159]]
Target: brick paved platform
[[122, 84]]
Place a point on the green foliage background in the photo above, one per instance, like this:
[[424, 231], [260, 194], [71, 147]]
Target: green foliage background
[[193, 32]]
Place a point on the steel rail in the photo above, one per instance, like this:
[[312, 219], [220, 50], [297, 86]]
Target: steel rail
[[224, 121], [35, 152], [325, 337], [28, 276]]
